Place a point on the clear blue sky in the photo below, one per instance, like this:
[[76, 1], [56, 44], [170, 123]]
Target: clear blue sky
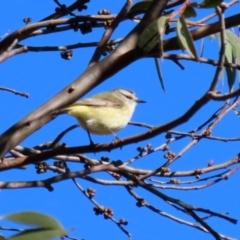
[[44, 74]]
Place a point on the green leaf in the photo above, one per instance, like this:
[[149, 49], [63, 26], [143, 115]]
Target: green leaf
[[189, 12], [47, 227], [185, 38], [161, 30], [231, 51], [231, 75], [34, 219], [37, 234], [231, 72], [159, 74], [235, 43], [140, 7], [152, 35], [207, 4]]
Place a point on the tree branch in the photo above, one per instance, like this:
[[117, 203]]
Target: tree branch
[[92, 77]]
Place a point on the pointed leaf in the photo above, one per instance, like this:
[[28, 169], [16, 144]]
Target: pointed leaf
[[152, 35], [231, 76], [235, 43], [159, 74], [185, 38], [161, 30], [229, 58], [231, 72]]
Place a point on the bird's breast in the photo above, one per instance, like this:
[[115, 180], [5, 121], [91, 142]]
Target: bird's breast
[[102, 120]]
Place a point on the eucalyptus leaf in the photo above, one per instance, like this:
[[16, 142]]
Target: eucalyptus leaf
[[235, 43], [159, 72], [231, 72], [185, 38], [46, 227], [34, 219], [38, 234], [152, 35]]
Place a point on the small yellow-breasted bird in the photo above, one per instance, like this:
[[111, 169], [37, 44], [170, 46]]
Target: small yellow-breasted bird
[[104, 113]]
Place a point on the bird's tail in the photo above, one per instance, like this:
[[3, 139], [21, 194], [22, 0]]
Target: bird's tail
[[59, 112]]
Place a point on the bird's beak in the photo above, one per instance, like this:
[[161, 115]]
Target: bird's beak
[[140, 101]]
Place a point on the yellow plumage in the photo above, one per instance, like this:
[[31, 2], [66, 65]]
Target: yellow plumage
[[104, 113]]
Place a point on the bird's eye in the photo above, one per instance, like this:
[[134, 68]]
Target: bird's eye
[[128, 97]]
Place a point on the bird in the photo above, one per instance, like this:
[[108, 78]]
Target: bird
[[104, 113]]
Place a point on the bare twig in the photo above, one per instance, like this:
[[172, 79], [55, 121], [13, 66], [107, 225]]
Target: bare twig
[[227, 5], [185, 206], [101, 208], [4, 56], [67, 47], [141, 124], [207, 137], [220, 97], [23, 94], [222, 177], [202, 60], [106, 36]]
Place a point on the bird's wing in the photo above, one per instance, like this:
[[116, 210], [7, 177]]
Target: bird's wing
[[98, 102]]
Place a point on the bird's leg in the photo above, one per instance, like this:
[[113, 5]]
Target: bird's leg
[[114, 134], [116, 137], [91, 141]]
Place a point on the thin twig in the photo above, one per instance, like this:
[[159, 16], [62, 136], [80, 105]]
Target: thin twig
[[101, 208], [5, 55], [206, 137], [200, 59], [23, 94], [106, 36], [67, 47]]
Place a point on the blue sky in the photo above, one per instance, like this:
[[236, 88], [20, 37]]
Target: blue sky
[[43, 74]]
